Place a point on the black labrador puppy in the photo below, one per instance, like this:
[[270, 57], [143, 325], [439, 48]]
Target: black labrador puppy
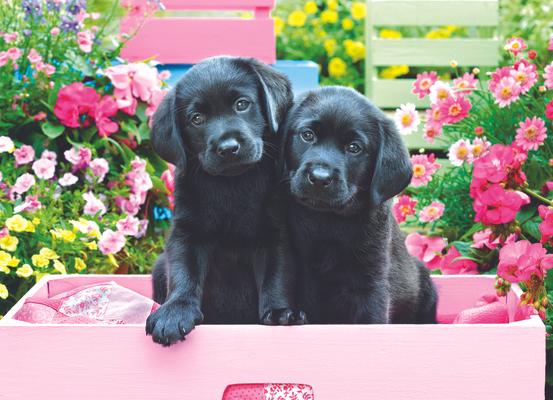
[[343, 161], [225, 259]]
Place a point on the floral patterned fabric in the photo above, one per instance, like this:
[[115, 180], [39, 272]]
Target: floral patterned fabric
[[269, 391]]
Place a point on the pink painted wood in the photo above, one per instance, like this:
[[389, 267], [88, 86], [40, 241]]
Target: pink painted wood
[[341, 362], [187, 40]]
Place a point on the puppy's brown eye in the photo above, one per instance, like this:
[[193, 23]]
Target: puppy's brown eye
[[307, 136], [354, 148], [242, 105], [198, 119]]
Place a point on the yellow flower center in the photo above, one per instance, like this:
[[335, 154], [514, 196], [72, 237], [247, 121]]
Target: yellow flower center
[[432, 211], [406, 119], [476, 149], [515, 45], [455, 110], [531, 132], [405, 210], [506, 92], [462, 152], [436, 114], [425, 83], [418, 170], [443, 94]]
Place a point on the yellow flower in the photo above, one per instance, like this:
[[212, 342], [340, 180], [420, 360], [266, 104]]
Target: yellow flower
[[329, 16], [40, 261], [48, 253], [321, 33], [310, 7], [25, 271], [79, 264], [112, 260], [63, 234], [91, 245], [39, 275], [356, 50], [279, 26], [332, 4], [358, 10], [394, 71], [390, 34], [440, 33], [330, 46], [5, 258], [36, 221], [297, 18], [337, 67], [14, 262], [347, 24], [30, 227], [58, 266], [9, 243], [3, 291], [17, 223], [4, 269]]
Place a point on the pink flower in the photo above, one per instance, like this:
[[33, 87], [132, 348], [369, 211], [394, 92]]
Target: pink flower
[[106, 108], [14, 53], [548, 76], [525, 74], [549, 110], [155, 100], [440, 91], [10, 37], [550, 46], [47, 69], [100, 168], [85, 39], [80, 158], [111, 242], [68, 179], [496, 206], [422, 84], [142, 228], [74, 101], [49, 155], [546, 227], [403, 207], [133, 80], [487, 239], [479, 147], [6, 144], [460, 152], [424, 167], [3, 58], [465, 82], [34, 57], [531, 134], [24, 155], [515, 45], [55, 31], [450, 266], [520, 260], [454, 110], [44, 168], [93, 205], [31, 204], [407, 119], [23, 183], [168, 177], [128, 226], [494, 166], [432, 130], [425, 248], [507, 91], [432, 212]]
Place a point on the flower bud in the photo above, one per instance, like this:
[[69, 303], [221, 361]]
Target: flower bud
[[532, 54], [476, 71], [479, 131], [453, 63]]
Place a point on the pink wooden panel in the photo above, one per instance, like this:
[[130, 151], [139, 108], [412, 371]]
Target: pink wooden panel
[[217, 4]]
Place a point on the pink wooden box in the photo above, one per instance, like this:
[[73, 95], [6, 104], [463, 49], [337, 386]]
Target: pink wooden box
[[189, 39], [340, 362]]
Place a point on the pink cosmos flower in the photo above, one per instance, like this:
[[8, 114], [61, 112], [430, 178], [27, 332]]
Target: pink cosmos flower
[[460, 152], [431, 131], [546, 227], [507, 91], [23, 183], [34, 57], [520, 260], [432, 212], [10, 37], [440, 91], [68, 179], [451, 266], [128, 226], [465, 82], [44, 168], [454, 110], [111, 242], [24, 155], [85, 39], [106, 108], [496, 205], [424, 167], [548, 76], [74, 101], [434, 115], [479, 147], [80, 158], [407, 119], [421, 86], [494, 166], [93, 205], [531, 133], [31, 204], [515, 46], [6, 144], [403, 207], [497, 75], [425, 248], [99, 167], [525, 74]]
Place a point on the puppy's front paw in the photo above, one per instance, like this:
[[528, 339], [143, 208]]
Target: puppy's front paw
[[172, 322], [284, 316]]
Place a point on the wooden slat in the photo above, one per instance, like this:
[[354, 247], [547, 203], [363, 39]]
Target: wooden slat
[[434, 12], [389, 93], [427, 52], [188, 41], [212, 4]]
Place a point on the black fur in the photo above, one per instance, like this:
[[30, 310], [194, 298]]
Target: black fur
[[343, 162], [226, 260]]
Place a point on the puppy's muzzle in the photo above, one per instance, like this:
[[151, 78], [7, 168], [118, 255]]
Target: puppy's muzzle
[[320, 177], [228, 148]]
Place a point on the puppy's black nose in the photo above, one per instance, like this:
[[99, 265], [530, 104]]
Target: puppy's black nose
[[319, 177], [228, 148]]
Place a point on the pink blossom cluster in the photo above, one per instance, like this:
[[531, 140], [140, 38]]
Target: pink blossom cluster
[[139, 182], [424, 166], [168, 177], [519, 261], [13, 54], [463, 151]]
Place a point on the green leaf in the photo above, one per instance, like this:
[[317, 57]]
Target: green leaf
[[532, 228], [143, 132], [141, 112], [129, 126], [51, 130], [525, 214], [463, 247]]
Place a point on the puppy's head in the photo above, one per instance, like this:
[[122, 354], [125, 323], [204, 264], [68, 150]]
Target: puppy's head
[[342, 153], [219, 113]]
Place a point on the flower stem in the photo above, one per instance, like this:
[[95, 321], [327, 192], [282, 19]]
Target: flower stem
[[537, 196]]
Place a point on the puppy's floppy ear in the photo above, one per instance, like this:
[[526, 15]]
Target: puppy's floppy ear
[[166, 136], [277, 93], [393, 170]]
